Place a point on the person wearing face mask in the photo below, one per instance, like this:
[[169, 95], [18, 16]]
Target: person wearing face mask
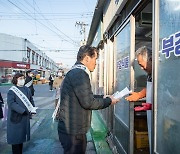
[[18, 119], [56, 85], [29, 81]]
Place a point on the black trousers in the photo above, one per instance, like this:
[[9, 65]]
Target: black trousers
[[50, 87], [17, 148], [73, 144]]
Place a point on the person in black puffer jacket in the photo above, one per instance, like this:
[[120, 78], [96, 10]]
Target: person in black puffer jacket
[[29, 81], [78, 101], [1, 104]]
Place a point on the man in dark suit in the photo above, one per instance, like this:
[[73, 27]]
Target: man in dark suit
[[78, 101]]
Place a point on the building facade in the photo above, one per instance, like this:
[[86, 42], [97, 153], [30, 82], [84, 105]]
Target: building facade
[[19, 55], [118, 29]]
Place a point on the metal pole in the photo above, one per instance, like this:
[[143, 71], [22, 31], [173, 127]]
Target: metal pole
[[83, 28], [155, 47]]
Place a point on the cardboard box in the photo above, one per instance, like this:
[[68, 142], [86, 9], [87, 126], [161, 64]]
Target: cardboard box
[[141, 139], [140, 124]]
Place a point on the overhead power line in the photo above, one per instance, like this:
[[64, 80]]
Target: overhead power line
[[82, 29], [54, 25], [40, 18], [72, 41], [56, 50], [50, 14], [49, 21]]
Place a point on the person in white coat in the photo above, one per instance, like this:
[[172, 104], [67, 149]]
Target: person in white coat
[[144, 58]]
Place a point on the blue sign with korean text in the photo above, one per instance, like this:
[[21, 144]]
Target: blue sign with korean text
[[171, 44], [123, 63]]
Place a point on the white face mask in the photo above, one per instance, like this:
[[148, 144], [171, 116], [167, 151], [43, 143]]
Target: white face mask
[[31, 75], [20, 82], [60, 74]]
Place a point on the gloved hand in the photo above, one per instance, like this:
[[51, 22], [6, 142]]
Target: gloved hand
[[31, 114], [25, 113], [144, 107], [135, 96]]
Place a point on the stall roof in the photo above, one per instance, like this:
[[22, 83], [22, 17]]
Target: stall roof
[[95, 21]]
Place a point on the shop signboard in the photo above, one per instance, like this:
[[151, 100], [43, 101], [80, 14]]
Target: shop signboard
[[10, 64]]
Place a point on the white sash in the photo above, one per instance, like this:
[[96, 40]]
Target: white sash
[[57, 108], [29, 83], [84, 68], [24, 99], [80, 66]]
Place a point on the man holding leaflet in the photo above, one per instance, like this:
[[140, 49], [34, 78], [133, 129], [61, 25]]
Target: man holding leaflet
[[77, 102]]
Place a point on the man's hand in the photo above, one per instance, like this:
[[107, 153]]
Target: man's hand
[[135, 96], [106, 96], [113, 100], [34, 110]]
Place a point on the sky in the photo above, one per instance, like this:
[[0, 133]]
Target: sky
[[49, 24]]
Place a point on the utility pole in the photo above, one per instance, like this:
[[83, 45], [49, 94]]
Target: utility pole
[[82, 30]]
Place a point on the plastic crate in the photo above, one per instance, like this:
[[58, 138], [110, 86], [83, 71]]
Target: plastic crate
[[141, 139]]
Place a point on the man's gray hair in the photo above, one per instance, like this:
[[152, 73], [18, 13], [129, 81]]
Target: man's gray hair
[[145, 52]]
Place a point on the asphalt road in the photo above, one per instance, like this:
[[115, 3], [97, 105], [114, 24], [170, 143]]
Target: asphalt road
[[44, 136]]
